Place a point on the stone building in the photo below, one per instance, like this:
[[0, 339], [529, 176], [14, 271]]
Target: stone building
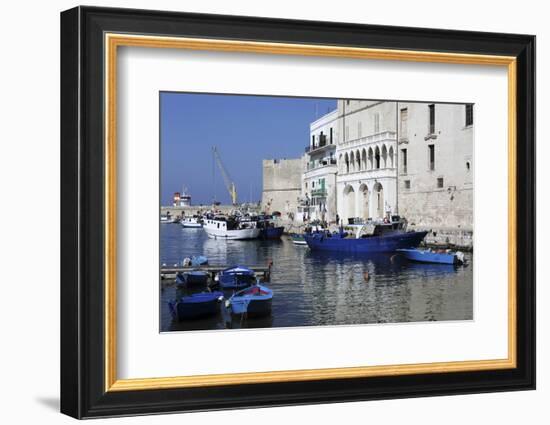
[[282, 185], [320, 169], [367, 170], [436, 170]]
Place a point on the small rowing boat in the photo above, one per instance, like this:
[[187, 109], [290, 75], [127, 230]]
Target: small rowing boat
[[254, 301], [236, 278], [196, 306], [431, 256], [298, 239], [194, 277]]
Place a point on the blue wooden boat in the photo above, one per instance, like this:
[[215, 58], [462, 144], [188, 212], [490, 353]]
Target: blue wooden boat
[[429, 256], [196, 306], [195, 277], [268, 229], [386, 236], [236, 277], [199, 260], [272, 232], [254, 301]]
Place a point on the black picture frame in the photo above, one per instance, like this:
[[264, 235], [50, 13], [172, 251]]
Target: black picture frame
[[83, 392]]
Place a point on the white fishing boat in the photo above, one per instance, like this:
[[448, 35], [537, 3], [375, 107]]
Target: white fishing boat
[[168, 219], [230, 228], [191, 221]]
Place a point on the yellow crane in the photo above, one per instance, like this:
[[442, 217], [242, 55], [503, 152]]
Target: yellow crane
[[229, 184]]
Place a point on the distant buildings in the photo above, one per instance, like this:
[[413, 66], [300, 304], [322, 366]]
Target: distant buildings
[[372, 159]]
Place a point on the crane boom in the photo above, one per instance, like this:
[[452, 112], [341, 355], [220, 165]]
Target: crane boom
[[229, 184]]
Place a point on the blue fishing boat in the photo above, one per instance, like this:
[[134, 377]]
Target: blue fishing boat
[[387, 236], [254, 301], [196, 306], [236, 278], [430, 256], [272, 232], [194, 277]]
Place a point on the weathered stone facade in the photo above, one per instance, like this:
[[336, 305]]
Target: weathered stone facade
[[435, 188], [282, 185]]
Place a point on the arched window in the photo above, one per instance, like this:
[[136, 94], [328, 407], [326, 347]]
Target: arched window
[[384, 156], [364, 159], [347, 162], [391, 157], [352, 162], [377, 158], [371, 159]]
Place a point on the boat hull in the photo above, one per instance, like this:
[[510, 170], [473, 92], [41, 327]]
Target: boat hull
[[192, 278], [386, 243], [196, 306], [254, 308], [422, 256], [298, 239], [254, 302], [239, 234], [272, 232], [191, 225]]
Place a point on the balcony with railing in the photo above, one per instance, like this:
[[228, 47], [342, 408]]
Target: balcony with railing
[[325, 162], [322, 143], [319, 193]]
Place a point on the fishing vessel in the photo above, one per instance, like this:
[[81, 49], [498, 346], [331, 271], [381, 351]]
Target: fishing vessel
[[230, 228], [168, 218], [194, 221], [236, 277], [431, 256], [254, 301], [268, 228], [380, 236], [196, 306]]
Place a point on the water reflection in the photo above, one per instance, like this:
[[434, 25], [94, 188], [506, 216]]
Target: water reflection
[[320, 288]]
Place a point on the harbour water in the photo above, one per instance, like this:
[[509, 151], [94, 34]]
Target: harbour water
[[319, 288]]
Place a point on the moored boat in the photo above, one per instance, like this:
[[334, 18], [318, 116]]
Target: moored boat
[[230, 228], [194, 261], [194, 277], [298, 239], [194, 221], [196, 306], [164, 219], [254, 301], [268, 228], [431, 256], [236, 278], [387, 236]]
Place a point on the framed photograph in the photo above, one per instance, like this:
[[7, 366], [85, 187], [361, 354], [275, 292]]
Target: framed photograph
[[261, 212]]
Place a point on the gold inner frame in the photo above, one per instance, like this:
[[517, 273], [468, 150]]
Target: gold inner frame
[[113, 41]]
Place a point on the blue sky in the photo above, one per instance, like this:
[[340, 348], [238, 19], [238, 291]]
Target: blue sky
[[245, 129]]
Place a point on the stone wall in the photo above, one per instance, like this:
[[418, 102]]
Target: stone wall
[[282, 181]]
